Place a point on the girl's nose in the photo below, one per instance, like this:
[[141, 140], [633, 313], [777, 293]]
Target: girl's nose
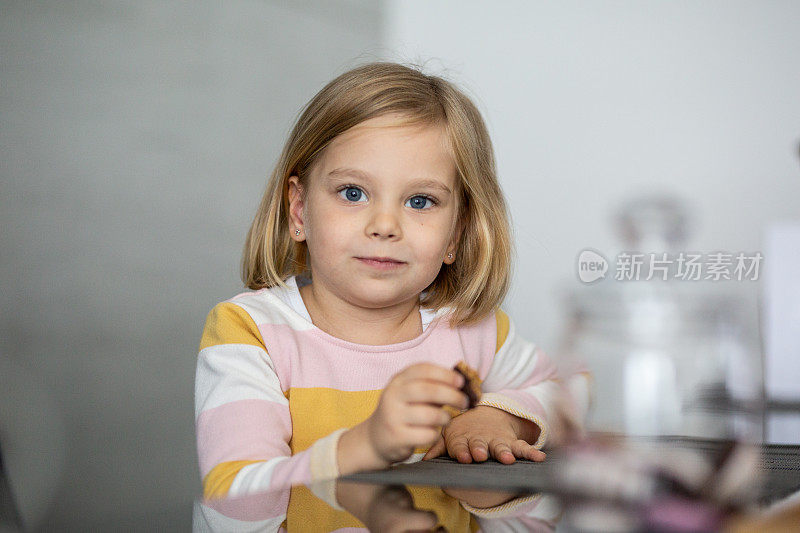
[[384, 224]]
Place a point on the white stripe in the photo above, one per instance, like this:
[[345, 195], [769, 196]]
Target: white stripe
[[264, 307], [230, 372], [513, 363], [291, 297], [254, 478]]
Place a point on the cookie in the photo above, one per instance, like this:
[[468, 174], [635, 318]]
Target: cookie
[[472, 383]]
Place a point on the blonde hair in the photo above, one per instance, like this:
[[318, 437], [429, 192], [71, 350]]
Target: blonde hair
[[476, 283]]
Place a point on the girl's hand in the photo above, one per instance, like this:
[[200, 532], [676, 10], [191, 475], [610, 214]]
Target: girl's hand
[[383, 508], [486, 431], [409, 413]]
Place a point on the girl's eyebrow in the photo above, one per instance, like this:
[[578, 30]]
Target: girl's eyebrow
[[431, 183]]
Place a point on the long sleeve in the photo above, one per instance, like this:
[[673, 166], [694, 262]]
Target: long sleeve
[[242, 414], [525, 382], [522, 379]]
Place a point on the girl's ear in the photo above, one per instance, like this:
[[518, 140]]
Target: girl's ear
[[295, 193]]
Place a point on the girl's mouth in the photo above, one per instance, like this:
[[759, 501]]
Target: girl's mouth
[[387, 264]]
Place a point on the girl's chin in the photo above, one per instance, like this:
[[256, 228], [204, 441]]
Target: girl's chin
[[374, 295]]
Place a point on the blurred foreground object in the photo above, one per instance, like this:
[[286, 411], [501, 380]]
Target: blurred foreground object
[[675, 423], [782, 332]]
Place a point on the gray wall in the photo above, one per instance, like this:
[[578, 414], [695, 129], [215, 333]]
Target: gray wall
[[135, 141]]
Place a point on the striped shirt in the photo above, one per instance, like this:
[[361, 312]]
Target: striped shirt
[[273, 392]]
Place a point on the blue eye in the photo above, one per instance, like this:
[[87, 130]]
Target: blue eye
[[419, 201], [352, 193]]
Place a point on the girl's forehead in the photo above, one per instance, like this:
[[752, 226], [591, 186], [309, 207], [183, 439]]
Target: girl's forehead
[[390, 140], [377, 136]]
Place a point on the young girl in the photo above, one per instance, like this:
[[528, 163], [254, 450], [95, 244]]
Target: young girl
[[379, 256]]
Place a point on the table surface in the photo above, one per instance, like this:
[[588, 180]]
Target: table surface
[[399, 489], [780, 464]]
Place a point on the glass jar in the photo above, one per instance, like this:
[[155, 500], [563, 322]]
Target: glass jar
[[667, 360], [675, 417]]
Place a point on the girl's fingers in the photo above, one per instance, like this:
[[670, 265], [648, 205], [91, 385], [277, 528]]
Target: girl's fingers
[[479, 449], [422, 391], [436, 450], [523, 450], [425, 415], [502, 451], [458, 448], [435, 373], [420, 436]]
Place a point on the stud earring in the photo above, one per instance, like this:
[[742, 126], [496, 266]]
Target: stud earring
[[297, 232], [449, 256]]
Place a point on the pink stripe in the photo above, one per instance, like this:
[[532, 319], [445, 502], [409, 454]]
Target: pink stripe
[[279, 340], [254, 507], [293, 471], [242, 430], [347, 369], [478, 344], [544, 369]]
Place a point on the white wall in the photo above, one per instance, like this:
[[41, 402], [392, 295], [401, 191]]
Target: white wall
[[590, 103]]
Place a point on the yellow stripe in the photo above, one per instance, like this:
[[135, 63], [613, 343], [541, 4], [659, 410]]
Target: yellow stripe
[[228, 323], [317, 412], [218, 482], [307, 513], [503, 325]]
